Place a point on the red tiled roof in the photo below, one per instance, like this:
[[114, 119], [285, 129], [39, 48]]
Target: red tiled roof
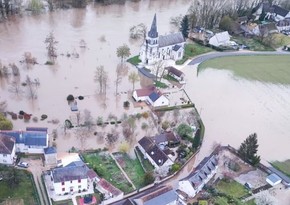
[[109, 187], [145, 91]]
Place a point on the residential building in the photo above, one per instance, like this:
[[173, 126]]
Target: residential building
[[155, 155], [151, 96], [166, 138], [7, 149], [265, 29], [273, 179], [33, 140], [194, 183], [278, 13], [176, 74], [163, 196], [156, 48], [283, 25], [50, 156], [221, 39]]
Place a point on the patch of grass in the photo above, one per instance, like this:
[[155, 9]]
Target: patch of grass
[[64, 202], [145, 162], [159, 84], [231, 188], [253, 43], [280, 40], [134, 60], [24, 190], [107, 168], [282, 166], [133, 169], [170, 78], [193, 49], [264, 68]]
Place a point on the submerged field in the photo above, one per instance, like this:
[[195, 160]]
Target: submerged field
[[265, 68]]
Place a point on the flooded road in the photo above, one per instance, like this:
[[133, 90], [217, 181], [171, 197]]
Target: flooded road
[[231, 108]]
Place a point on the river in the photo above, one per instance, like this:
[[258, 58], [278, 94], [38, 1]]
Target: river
[[231, 108]]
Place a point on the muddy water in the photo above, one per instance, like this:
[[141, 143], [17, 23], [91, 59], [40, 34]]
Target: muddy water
[[232, 108], [103, 28]]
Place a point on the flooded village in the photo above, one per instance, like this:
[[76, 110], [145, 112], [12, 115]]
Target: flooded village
[[96, 126]]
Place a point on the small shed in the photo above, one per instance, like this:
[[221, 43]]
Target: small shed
[[273, 179], [50, 156]]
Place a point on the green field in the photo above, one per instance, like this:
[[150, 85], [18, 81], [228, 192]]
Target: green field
[[107, 168], [282, 166], [264, 68], [24, 190], [232, 188]]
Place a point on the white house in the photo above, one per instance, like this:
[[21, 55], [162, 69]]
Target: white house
[[176, 74], [283, 25], [221, 39], [7, 149], [265, 29], [278, 13], [32, 141], [165, 47], [155, 155], [194, 183], [151, 96], [50, 156], [273, 179]]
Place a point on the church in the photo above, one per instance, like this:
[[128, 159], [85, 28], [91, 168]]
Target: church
[[165, 47]]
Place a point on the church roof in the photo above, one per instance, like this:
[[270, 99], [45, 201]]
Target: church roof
[[171, 39], [153, 31]]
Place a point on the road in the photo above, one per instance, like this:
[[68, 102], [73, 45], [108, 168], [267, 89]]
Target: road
[[212, 55]]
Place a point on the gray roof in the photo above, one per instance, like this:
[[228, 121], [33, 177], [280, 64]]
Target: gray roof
[[171, 39], [6, 144], [280, 11], [49, 150], [162, 196], [174, 71], [30, 138], [205, 167], [153, 31], [274, 178], [69, 173]]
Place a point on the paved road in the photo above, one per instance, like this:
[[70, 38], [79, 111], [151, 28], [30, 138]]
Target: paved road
[[212, 55]]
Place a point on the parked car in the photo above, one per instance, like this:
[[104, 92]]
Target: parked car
[[23, 164]]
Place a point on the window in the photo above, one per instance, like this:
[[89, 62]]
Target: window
[[79, 181], [62, 183], [70, 181], [4, 155], [63, 189]]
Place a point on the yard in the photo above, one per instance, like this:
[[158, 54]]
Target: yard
[[65, 202], [134, 60], [282, 166], [132, 167], [264, 68], [107, 168], [193, 49], [145, 162], [281, 40], [23, 192], [253, 43]]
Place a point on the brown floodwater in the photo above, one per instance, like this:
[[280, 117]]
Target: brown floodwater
[[231, 108]]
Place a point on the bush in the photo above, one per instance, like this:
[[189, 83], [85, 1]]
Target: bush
[[5, 124], [184, 131], [70, 98], [126, 104], [145, 115], [165, 125]]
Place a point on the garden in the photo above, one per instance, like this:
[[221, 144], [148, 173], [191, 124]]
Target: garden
[[283, 166], [17, 186], [106, 167]]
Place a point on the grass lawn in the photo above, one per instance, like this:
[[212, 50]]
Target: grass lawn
[[252, 43], [232, 188], [282, 166], [193, 49], [65, 202], [24, 190], [264, 68], [160, 84], [134, 60], [132, 167], [146, 164], [281, 40], [224, 201], [107, 168]]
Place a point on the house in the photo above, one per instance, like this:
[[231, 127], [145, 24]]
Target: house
[[175, 73], [166, 138], [221, 39], [32, 141], [278, 13], [242, 20], [74, 178], [7, 149], [165, 47], [111, 194], [265, 29], [151, 96], [273, 179], [155, 155], [162, 196], [262, 8], [194, 183], [50, 156], [283, 25]]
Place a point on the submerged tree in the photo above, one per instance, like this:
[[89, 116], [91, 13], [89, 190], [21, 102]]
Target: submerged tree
[[15, 88], [133, 78], [51, 46], [123, 52], [138, 32], [101, 77], [249, 148], [184, 26]]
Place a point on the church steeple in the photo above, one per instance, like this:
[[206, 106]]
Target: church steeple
[[153, 31]]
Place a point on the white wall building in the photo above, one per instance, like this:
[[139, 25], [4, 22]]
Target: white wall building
[[157, 47], [7, 150], [220, 39], [194, 183]]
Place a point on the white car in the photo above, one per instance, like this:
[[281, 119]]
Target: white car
[[23, 164]]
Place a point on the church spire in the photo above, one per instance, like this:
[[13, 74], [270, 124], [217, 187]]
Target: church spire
[[153, 31]]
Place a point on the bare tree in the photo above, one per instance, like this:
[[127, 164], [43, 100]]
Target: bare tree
[[15, 69], [118, 78], [82, 134], [133, 78], [29, 60], [112, 137], [138, 32], [88, 119], [51, 46], [176, 20], [158, 70], [15, 88], [101, 77], [3, 106], [31, 88]]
